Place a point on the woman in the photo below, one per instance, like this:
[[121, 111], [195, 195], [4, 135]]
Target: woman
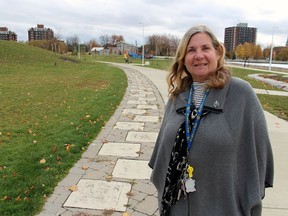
[[213, 155]]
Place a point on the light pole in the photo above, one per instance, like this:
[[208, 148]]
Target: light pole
[[271, 50], [79, 54], [143, 44]]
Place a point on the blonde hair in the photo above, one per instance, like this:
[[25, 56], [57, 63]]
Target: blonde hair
[[179, 78]]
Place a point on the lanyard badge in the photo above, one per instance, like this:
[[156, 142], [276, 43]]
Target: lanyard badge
[[188, 183]]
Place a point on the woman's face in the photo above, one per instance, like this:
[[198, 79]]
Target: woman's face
[[201, 57]]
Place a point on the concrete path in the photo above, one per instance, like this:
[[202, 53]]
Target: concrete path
[[112, 177]]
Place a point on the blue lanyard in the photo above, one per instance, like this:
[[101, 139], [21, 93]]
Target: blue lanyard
[[190, 135]]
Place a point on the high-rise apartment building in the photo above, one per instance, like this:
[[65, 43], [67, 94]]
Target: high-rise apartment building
[[5, 34], [239, 34], [40, 33]]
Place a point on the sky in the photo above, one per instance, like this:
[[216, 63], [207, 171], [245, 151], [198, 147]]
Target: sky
[[89, 19]]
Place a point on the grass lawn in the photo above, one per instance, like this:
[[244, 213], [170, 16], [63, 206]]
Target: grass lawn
[[277, 105], [51, 110]]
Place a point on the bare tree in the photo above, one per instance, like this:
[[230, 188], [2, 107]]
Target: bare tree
[[165, 45], [92, 43], [104, 41], [116, 38], [108, 41], [72, 43]]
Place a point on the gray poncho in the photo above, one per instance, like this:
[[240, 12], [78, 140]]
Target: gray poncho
[[231, 154]]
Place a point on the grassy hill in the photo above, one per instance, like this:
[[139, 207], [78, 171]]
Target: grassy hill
[[51, 110]]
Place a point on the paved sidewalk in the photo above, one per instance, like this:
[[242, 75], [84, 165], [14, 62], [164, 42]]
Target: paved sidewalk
[[112, 177]]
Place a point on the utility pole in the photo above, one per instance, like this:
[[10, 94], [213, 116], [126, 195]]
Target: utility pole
[[271, 50], [143, 45], [79, 54]]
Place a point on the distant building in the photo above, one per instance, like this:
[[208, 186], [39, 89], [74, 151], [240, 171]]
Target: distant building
[[7, 35], [122, 48], [239, 34], [287, 42], [99, 51], [40, 33]]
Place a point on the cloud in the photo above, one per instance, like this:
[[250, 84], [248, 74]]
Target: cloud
[[89, 19]]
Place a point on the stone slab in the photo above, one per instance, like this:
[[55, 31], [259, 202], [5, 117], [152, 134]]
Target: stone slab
[[154, 107], [132, 169], [120, 149], [129, 126], [147, 98], [140, 118], [133, 111], [146, 92], [134, 136], [95, 194], [136, 102]]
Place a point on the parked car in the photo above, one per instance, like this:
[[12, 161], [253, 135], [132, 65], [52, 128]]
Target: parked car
[[149, 56]]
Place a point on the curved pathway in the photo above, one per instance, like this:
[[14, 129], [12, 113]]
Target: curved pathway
[[112, 176]]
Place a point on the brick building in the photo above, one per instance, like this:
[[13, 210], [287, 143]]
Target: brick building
[[239, 34], [5, 34], [40, 33]]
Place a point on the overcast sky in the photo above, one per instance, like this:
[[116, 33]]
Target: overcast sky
[[89, 19]]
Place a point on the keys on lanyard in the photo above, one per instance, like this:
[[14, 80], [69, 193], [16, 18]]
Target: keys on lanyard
[[188, 183]]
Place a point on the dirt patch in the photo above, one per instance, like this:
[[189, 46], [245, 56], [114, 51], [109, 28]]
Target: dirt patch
[[275, 77], [99, 85]]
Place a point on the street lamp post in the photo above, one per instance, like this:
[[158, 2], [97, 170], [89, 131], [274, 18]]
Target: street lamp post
[[79, 54], [271, 50], [79, 49], [143, 44]]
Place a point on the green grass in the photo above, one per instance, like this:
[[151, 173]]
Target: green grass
[[276, 105], [51, 110]]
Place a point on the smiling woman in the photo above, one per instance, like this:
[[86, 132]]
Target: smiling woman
[[215, 158]]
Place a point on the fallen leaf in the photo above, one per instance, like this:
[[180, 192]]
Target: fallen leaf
[[68, 146], [73, 188], [109, 178], [42, 161], [54, 149], [30, 131], [85, 167], [130, 193], [59, 158], [26, 199], [5, 198], [18, 198], [125, 214]]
